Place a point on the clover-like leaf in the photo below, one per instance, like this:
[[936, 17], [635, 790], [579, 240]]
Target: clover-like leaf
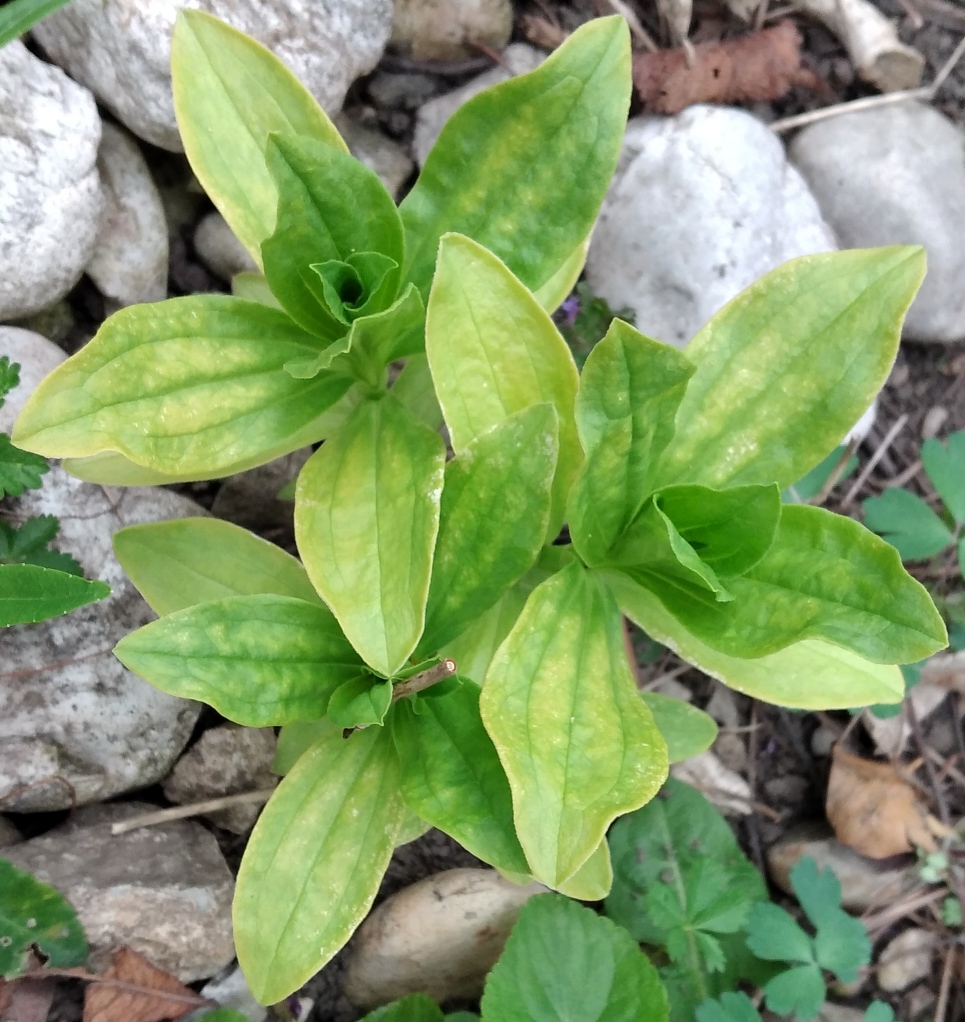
[[799, 992], [944, 463], [907, 523], [686, 730]]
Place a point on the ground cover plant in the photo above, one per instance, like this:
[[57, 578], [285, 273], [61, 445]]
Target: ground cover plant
[[445, 653]]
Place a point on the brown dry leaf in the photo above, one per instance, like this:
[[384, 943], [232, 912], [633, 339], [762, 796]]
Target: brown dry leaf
[[874, 810], [541, 32], [754, 68], [133, 990]]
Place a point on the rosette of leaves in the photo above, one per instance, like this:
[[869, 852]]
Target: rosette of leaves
[[666, 466]]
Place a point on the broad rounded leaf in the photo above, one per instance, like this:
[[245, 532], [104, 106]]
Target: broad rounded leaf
[[230, 94], [578, 744], [315, 860], [30, 593], [808, 675], [788, 367], [34, 913], [258, 660], [180, 563], [686, 730], [187, 386], [945, 465], [907, 523], [493, 520], [493, 352], [563, 961], [366, 518]]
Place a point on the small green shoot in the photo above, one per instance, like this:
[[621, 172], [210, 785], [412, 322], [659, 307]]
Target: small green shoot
[[19, 470]]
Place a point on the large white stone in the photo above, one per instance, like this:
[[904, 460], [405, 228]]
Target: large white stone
[[701, 206], [122, 50], [447, 29], [130, 262], [896, 175], [50, 191]]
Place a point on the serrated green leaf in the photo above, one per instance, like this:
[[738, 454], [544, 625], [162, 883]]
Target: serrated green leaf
[[28, 538], [192, 387], [258, 660], [907, 523], [578, 744], [630, 389], [187, 561], [824, 577], [818, 891], [729, 1007], [452, 777], [563, 961], [523, 167], [16, 17], [30, 593], [320, 193], [360, 702], [230, 94], [808, 675], [787, 367], [19, 470], [945, 466], [774, 935], [34, 913], [686, 730], [493, 520], [414, 1008], [841, 944], [9, 371], [54, 559], [799, 991], [315, 860], [494, 352], [366, 518]]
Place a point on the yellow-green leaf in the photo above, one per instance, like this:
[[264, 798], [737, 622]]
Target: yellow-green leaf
[[593, 880]]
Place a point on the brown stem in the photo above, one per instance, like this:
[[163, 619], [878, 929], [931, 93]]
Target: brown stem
[[420, 682]]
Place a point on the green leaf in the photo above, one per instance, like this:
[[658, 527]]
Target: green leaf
[[878, 1011], [563, 961], [414, 388], [686, 730], [9, 371], [787, 367], [187, 561], [27, 544], [18, 16], [774, 935], [593, 880], [393, 334], [808, 675], [577, 743], [230, 94], [296, 738], [19, 470], [360, 702], [253, 288], [552, 294], [493, 352], [825, 577], [811, 483], [818, 891], [224, 1015], [474, 650], [315, 860], [414, 1008], [799, 992], [320, 193], [945, 465], [493, 520], [452, 777], [366, 518], [193, 387], [907, 523], [523, 167], [729, 1007], [258, 660], [30, 593], [32, 913]]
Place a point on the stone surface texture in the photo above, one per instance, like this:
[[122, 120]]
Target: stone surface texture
[[439, 937], [226, 760], [130, 261], [518, 59], [701, 206], [230, 989], [50, 191], [907, 959], [122, 50], [36, 357], [219, 249], [163, 891], [896, 175], [9, 835], [445, 29]]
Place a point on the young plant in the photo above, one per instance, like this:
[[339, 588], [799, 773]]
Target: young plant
[[18, 16], [422, 577]]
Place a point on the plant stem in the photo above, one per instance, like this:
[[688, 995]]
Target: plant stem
[[420, 682]]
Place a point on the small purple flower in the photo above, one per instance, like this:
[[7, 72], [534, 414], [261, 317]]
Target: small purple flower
[[570, 309]]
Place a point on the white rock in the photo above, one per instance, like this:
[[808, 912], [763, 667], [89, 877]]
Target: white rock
[[50, 192], [439, 937], [378, 152], [122, 51], [445, 29], [702, 205], [226, 760], [519, 58], [130, 262], [219, 249], [231, 991], [907, 959], [722, 786], [164, 891], [896, 175], [36, 357]]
